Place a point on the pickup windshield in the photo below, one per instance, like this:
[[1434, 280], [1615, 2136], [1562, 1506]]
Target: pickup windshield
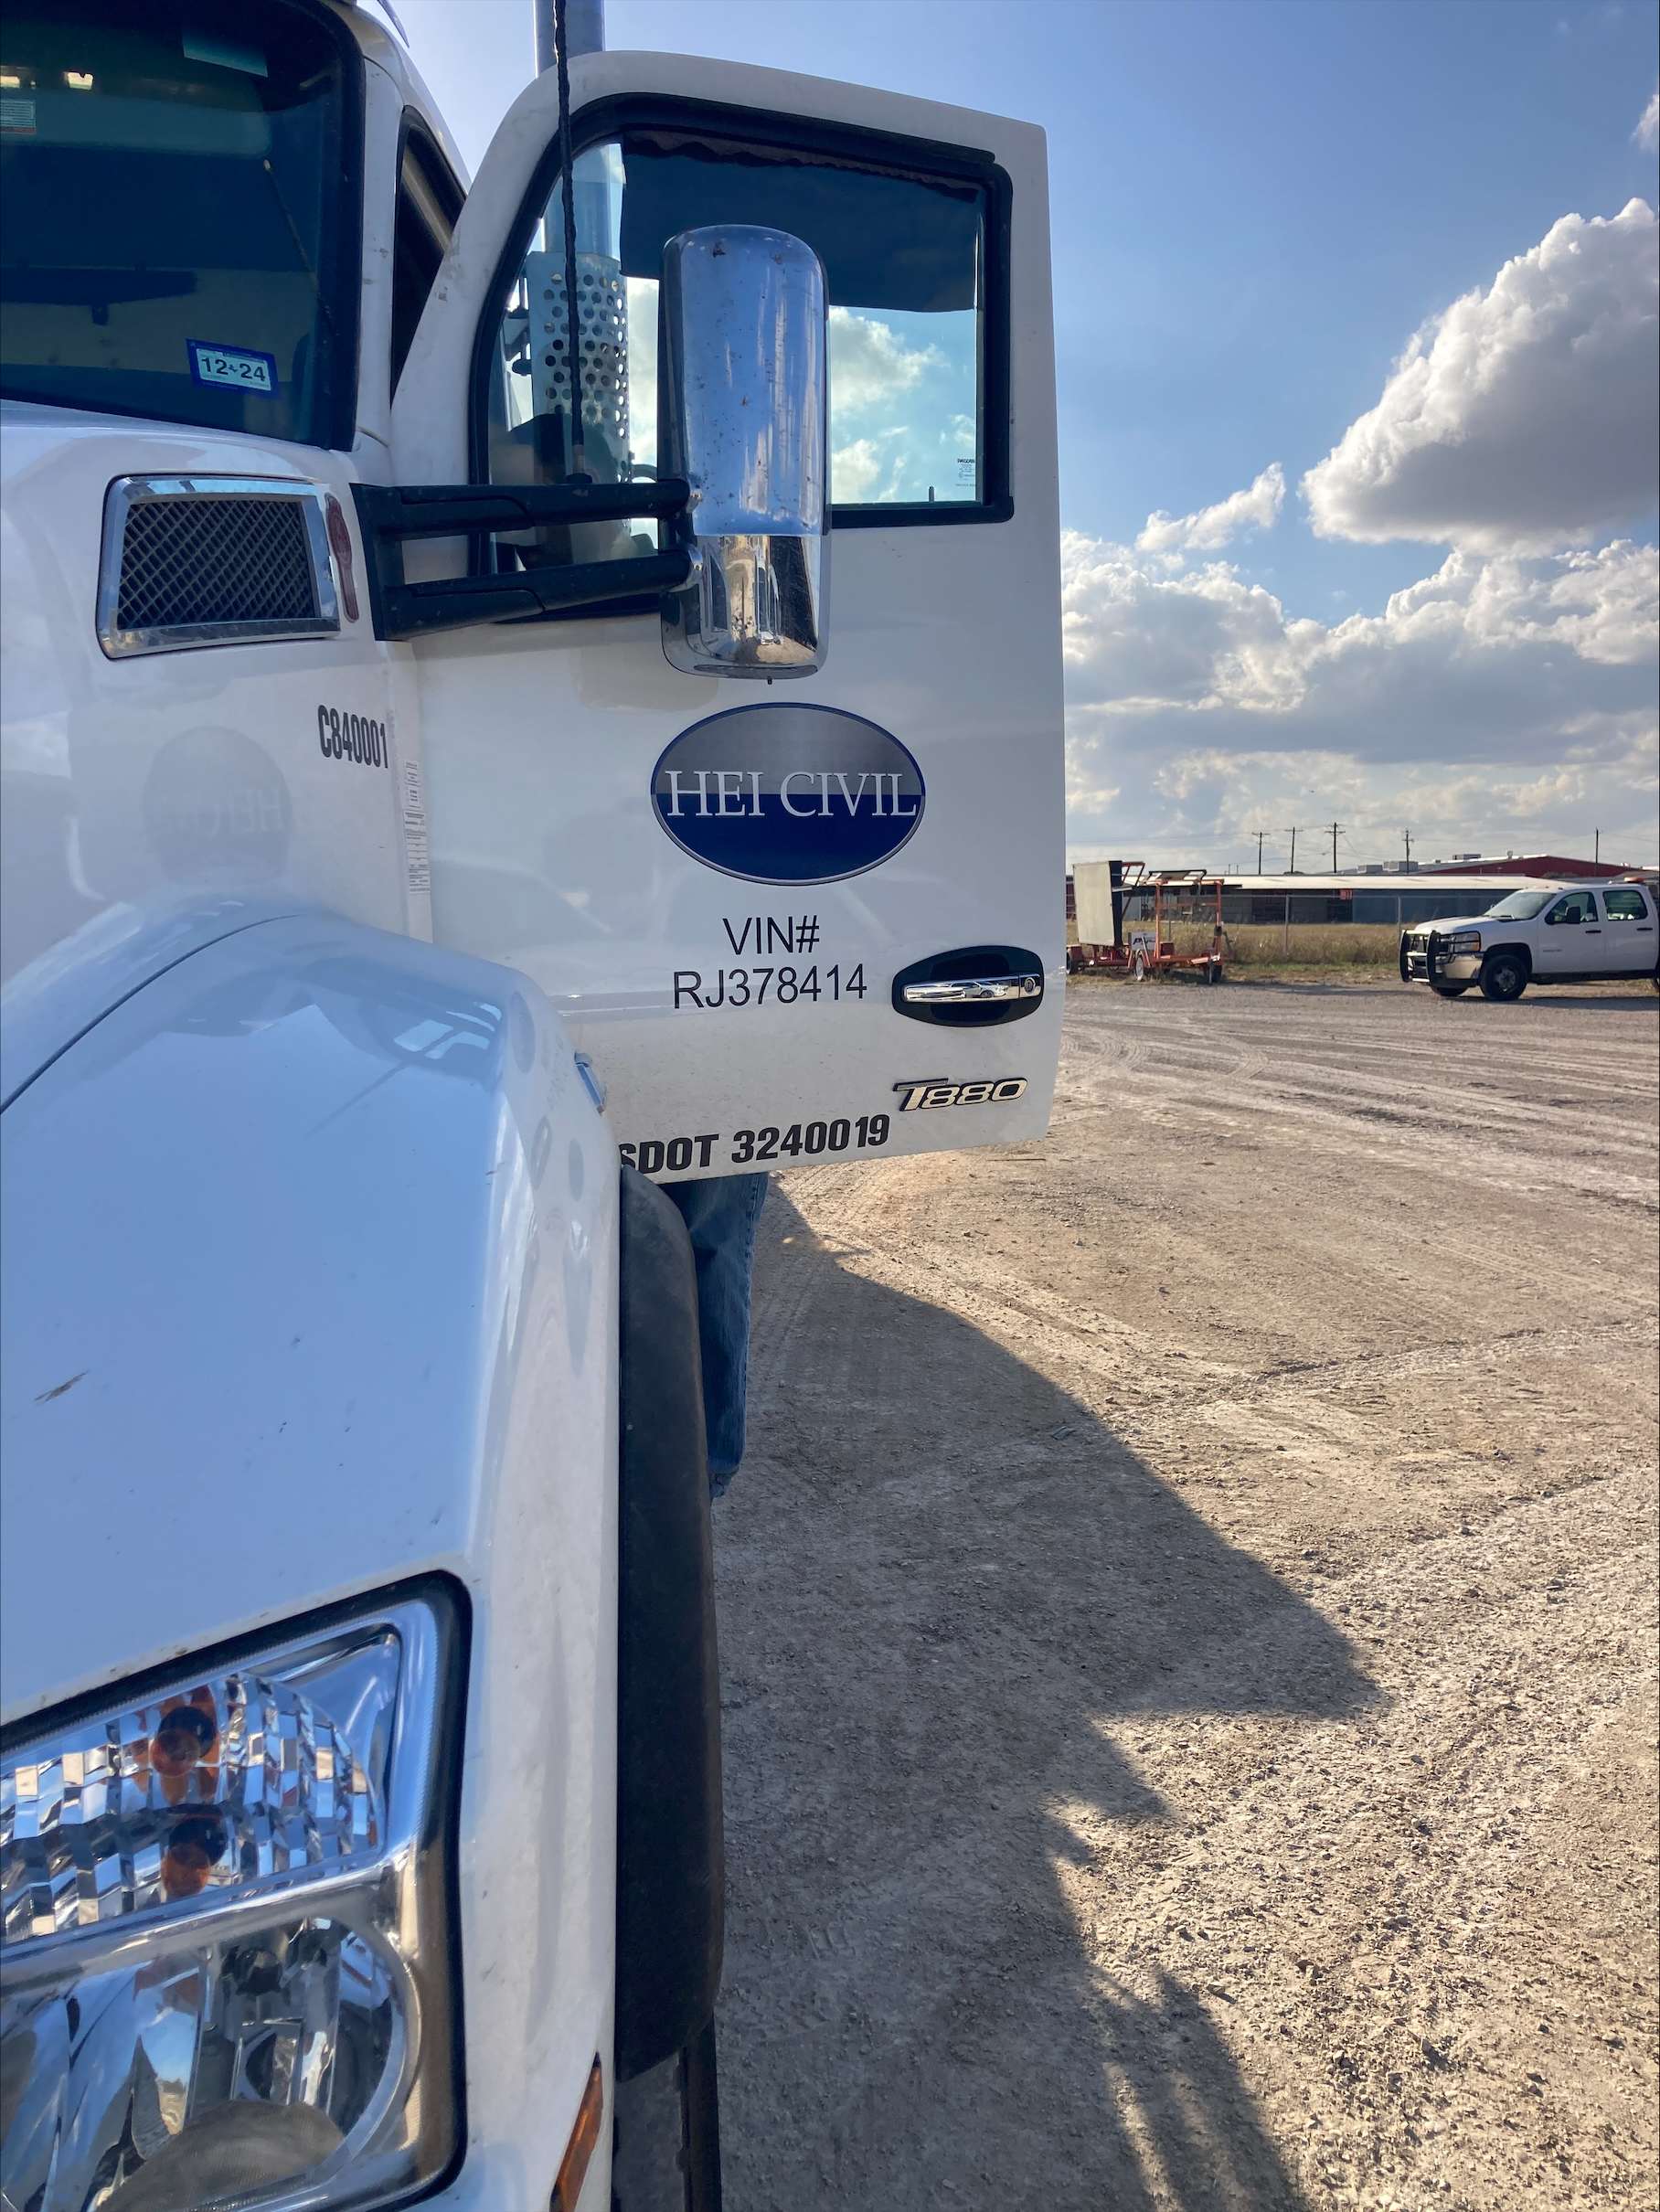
[[1520, 906], [176, 236]]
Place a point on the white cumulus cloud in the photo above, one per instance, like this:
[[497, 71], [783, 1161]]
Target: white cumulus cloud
[[1136, 638], [1256, 508], [1647, 132], [1525, 417], [857, 470], [1487, 696], [870, 363]]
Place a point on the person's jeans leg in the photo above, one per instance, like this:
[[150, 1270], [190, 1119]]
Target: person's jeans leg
[[721, 1216]]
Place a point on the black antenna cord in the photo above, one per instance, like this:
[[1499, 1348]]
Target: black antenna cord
[[573, 313]]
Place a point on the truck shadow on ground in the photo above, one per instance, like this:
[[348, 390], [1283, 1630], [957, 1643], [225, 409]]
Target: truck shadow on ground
[[942, 1624]]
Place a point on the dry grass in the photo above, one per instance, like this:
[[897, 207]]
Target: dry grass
[[1312, 944]]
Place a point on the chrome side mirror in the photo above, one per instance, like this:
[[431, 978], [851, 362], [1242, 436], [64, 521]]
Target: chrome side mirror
[[744, 379]]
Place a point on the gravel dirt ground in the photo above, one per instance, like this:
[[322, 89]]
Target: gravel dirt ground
[[1187, 1629]]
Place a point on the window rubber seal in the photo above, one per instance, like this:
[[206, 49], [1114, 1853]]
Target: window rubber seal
[[412, 125], [928, 161]]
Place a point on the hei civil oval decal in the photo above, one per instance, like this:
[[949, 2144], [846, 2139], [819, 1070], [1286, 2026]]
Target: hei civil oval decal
[[788, 793]]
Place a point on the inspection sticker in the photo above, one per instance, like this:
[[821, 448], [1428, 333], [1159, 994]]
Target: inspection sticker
[[232, 368]]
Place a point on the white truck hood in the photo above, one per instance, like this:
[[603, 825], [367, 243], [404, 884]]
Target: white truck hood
[[1442, 929]]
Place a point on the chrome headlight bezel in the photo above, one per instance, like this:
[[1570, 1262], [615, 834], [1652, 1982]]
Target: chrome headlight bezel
[[396, 1901]]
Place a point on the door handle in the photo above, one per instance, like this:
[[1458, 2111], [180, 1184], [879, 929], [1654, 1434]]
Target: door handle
[[971, 987], [974, 989]]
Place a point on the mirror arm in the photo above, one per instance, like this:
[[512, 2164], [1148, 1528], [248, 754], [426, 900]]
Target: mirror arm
[[445, 510], [387, 516], [459, 602]]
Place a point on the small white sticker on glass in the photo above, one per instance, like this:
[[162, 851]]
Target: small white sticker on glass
[[232, 368]]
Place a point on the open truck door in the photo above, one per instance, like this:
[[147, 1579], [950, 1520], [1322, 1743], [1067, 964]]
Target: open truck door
[[780, 835]]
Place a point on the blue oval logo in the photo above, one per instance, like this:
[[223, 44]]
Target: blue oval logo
[[788, 793]]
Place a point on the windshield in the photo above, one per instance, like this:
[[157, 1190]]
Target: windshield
[[1521, 906], [176, 237]]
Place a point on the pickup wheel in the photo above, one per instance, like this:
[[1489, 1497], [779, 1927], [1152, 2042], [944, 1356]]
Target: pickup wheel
[[1504, 977]]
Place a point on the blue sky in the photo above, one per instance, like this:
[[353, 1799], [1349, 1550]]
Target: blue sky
[[1255, 206]]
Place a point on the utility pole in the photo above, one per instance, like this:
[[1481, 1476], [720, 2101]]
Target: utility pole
[[1293, 870], [1407, 835], [1336, 827], [1597, 861], [1260, 835]]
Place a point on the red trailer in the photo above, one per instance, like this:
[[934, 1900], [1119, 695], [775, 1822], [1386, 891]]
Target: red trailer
[[1141, 952]]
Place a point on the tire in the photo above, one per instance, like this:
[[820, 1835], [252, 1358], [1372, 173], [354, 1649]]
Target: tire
[[1449, 990], [671, 1872], [667, 2134], [1504, 978]]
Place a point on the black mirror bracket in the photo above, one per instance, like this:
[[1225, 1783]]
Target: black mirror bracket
[[389, 516]]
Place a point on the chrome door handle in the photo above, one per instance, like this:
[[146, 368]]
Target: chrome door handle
[[967, 989], [971, 987]]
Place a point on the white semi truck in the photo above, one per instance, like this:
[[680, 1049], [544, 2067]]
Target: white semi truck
[[416, 802]]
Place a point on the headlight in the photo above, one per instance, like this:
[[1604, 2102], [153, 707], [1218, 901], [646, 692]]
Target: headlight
[[1463, 941], [224, 1962]]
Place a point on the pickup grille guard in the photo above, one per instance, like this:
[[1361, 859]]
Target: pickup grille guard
[[1423, 955], [389, 517]]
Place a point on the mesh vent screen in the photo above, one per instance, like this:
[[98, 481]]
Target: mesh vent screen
[[214, 561]]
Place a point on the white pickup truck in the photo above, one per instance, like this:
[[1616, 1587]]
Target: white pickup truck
[[1556, 933]]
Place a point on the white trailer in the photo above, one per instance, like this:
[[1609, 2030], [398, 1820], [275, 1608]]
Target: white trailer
[[410, 810]]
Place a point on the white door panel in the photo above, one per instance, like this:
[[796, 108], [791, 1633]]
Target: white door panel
[[1569, 938], [541, 742], [1628, 929]]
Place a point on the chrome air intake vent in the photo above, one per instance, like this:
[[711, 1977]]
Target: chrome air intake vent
[[212, 561]]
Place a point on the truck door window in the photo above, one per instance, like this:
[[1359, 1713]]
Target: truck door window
[[1578, 906], [914, 378], [429, 200], [1624, 906], [179, 204]]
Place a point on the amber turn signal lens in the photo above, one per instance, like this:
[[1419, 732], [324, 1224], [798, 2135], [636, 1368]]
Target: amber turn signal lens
[[584, 2136]]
